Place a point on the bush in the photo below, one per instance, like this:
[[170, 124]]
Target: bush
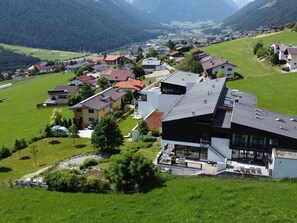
[[118, 114], [88, 163], [155, 133], [149, 139], [4, 152], [68, 181]]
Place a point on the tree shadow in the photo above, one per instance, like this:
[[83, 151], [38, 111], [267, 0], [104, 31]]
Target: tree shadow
[[4, 169], [80, 146], [25, 158], [54, 142]]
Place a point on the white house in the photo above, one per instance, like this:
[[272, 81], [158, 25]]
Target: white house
[[291, 54], [152, 64], [216, 65]]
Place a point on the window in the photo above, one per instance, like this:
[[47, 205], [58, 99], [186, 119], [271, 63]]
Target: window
[[91, 111]]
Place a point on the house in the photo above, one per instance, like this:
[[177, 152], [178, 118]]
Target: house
[[152, 64], [102, 104], [120, 75], [163, 93], [85, 79], [213, 66], [59, 95], [114, 59], [291, 54], [41, 68], [213, 123], [134, 85]]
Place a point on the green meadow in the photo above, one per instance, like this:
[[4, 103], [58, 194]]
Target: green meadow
[[44, 54], [274, 90], [19, 116], [181, 199]]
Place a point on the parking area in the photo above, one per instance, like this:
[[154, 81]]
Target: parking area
[[85, 133]]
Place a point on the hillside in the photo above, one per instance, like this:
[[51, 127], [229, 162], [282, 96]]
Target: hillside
[[11, 60], [275, 91], [181, 199], [168, 11], [71, 25], [263, 13]]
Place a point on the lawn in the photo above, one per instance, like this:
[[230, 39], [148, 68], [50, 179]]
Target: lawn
[[19, 116], [275, 91], [44, 54], [127, 125], [49, 152], [188, 199]]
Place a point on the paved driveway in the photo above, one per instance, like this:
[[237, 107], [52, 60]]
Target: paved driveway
[[85, 133]]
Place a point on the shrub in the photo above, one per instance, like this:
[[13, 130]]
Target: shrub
[[118, 114], [155, 133], [149, 139], [4, 152], [88, 163]]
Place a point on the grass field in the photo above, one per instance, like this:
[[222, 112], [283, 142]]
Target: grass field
[[19, 116], [49, 152], [193, 199], [275, 91], [44, 54]]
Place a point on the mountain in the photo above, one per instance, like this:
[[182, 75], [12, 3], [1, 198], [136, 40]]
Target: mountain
[[168, 11], [263, 13], [74, 25]]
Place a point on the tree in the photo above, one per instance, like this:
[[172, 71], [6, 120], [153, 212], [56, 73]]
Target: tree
[[257, 47], [86, 91], [73, 99], [56, 118], [4, 152], [190, 64], [151, 53], [34, 151], [48, 132], [129, 171], [138, 71], [128, 96], [103, 83], [106, 135], [170, 44], [73, 133], [143, 128]]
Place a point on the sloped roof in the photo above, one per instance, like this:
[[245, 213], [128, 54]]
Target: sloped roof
[[215, 62], [201, 99], [100, 100], [113, 57], [120, 75]]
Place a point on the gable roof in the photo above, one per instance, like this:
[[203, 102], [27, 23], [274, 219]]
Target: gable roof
[[120, 75], [137, 85], [111, 58], [100, 100], [215, 62]]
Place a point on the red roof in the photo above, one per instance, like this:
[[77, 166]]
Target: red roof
[[215, 62], [85, 78], [111, 58], [120, 75], [137, 85]]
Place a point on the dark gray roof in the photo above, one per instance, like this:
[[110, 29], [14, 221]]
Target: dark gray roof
[[201, 99], [265, 120], [100, 100], [181, 78]]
